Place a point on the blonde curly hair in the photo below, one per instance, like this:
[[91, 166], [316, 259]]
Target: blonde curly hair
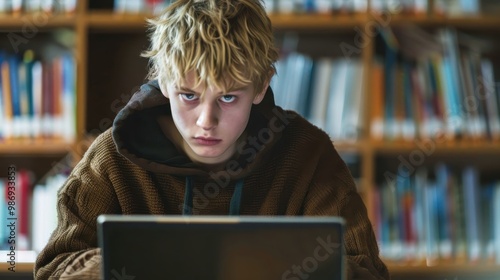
[[226, 43]]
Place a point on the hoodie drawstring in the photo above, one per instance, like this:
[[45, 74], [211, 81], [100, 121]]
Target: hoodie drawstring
[[187, 208], [234, 206]]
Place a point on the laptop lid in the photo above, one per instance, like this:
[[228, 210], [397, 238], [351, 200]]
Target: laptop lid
[[221, 247]]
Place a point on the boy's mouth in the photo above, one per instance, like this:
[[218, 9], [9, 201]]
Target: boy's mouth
[[207, 141]]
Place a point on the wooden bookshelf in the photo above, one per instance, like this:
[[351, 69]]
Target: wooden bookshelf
[[24, 268], [35, 147], [40, 21], [106, 41]]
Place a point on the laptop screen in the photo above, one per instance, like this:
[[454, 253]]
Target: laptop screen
[[223, 248]]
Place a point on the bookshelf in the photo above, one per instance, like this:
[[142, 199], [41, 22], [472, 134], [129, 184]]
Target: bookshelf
[[107, 47]]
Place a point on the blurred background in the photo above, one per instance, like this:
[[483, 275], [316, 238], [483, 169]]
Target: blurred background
[[408, 90]]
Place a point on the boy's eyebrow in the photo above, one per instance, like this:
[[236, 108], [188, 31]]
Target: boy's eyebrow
[[230, 90], [186, 89]]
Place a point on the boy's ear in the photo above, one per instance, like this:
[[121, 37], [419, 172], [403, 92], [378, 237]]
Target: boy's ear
[[260, 96], [163, 89]]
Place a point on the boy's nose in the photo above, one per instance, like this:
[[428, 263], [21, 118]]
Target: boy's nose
[[208, 118]]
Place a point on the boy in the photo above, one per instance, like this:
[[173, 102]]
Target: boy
[[204, 137]]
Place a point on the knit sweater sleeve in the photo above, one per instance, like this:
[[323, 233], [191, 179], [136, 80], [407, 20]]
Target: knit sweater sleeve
[[333, 193], [71, 252]]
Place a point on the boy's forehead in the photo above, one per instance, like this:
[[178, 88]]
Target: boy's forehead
[[200, 88], [191, 83]]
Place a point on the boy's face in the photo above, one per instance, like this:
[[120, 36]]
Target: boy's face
[[210, 125]]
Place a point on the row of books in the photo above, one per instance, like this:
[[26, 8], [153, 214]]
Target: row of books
[[272, 6], [37, 97], [315, 6], [18, 7], [457, 7], [44, 210], [34, 211], [327, 92], [440, 214], [426, 86], [449, 8], [441, 7], [15, 205], [422, 7]]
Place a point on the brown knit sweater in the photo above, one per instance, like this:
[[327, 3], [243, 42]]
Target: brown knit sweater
[[288, 166]]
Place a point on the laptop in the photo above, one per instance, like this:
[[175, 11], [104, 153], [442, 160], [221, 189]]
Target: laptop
[[221, 247]]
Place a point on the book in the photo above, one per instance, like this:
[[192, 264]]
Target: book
[[56, 98], [7, 100], [458, 216], [2, 100], [431, 201], [15, 96], [419, 218], [408, 129], [31, 6], [390, 66], [490, 99], [472, 217], [17, 7], [418, 85], [454, 8], [478, 106], [338, 88], [3, 213], [47, 6], [406, 223], [486, 195], [496, 224], [37, 91], [23, 200], [69, 6], [28, 62], [378, 101], [68, 112], [352, 122], [444, 204], [44, 209], [320, 92], [4, 8], [23, 125], [435, 97]]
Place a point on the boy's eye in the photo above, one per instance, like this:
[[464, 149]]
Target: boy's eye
[[228, 98], [188, 96]]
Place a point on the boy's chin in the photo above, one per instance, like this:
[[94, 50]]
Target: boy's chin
[[211, 157], [208, 156]]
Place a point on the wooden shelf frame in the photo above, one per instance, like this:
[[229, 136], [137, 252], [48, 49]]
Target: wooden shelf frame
[[37, 20], [28, 147]]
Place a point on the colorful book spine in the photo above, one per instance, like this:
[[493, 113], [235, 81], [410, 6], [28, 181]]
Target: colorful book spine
[[7, 100], [472, 217]]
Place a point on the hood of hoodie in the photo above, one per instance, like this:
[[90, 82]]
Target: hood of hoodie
[[139, 137]]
